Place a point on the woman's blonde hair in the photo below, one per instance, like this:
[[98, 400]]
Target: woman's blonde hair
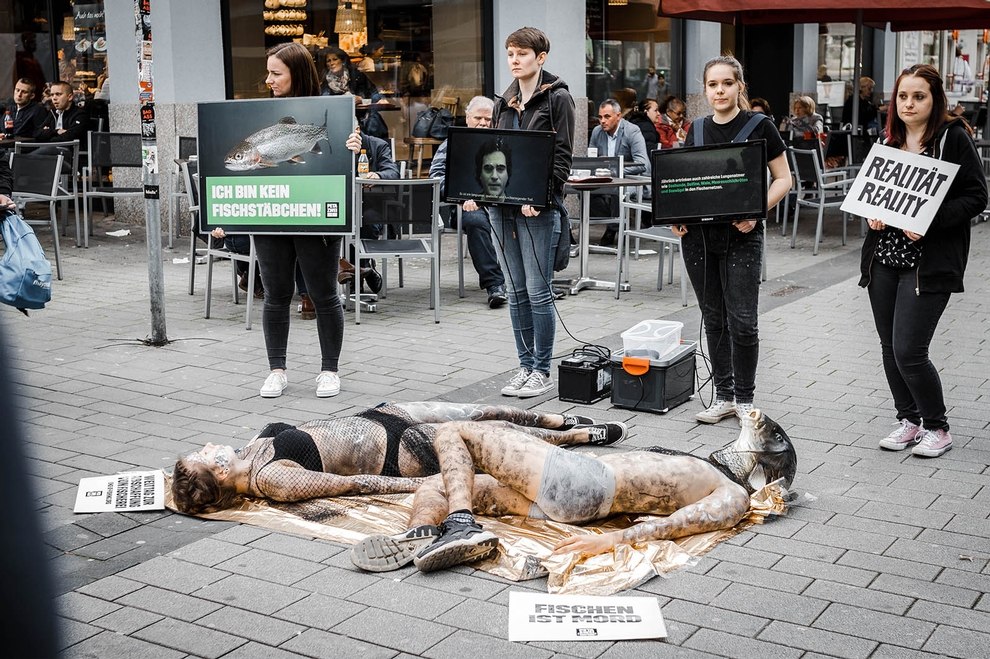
[[807, 103]]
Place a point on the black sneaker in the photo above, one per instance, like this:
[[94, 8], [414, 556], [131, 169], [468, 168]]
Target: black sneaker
[[572, 420], [462, 540], [497, 296], [603, 434], [383, 553]]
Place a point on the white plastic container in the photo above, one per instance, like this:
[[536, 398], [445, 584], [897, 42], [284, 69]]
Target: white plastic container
[[652, 338]]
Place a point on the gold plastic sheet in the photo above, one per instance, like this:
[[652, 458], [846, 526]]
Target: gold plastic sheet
[[525, 544]]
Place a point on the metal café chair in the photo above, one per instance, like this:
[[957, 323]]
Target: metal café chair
[[109, 153], [184, 148], [36, 179], [68, 187], [814, 191]]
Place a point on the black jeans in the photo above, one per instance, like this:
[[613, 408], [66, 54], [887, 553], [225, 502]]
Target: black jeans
[[906, 322], [724, 267], [317, 257]]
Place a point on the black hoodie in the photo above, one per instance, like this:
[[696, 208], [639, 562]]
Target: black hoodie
[[550, 108]]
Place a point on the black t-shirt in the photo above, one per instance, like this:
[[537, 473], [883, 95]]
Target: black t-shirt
[[724, 133]]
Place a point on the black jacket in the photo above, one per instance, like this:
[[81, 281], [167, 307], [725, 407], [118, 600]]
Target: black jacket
[[6, 178], [379, 157], [75, 122], [27, 120], [945, 247], [650, 135], [550, 108]]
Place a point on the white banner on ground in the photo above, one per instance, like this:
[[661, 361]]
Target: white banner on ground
[[134, 490], [902, 189], [543, 617]]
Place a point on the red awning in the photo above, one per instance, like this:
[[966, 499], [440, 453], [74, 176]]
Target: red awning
[[900, 14]]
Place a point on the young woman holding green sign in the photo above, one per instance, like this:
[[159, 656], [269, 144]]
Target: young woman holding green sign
[[291, 72], [909, 276]]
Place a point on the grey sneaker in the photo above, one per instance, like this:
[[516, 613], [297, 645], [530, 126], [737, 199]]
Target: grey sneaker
[[743, 409], [906, 434], [462, 540], [516, 381], [933, 444], [536, 384], [720, 409], [383, 553]]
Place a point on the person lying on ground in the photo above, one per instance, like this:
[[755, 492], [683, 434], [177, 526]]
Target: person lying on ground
[[522, 476], [385, 449]]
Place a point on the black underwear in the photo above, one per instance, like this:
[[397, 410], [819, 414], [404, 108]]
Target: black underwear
[[298, 446], [394, 426], [725, 470]]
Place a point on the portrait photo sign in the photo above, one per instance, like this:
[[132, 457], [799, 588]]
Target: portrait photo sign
[[902, 189], [494, 166], [543, 617], [276, 166], [716, 183]]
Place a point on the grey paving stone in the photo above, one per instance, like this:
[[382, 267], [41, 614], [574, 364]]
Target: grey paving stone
[[743, 556], [926, 590], [106, 524], [953, 642], [828, 571], [465, 643], [110, 588], [764, 578], [173, 574], [708, 616], [317, 643], [208, 552], [485, 618], [127, 620], [883, 627], [68, 538], [245, 624], [270, 566], [962, 579], [866, 598], [111, 644], [241, 534], [686, 586], [337, 582], [865, 525], [790, 547], [393, 630], [190, 638], [932, 519], [251, 594], [834, 536], [884, 651], [950, 615], [105, 549], [729, 645], [889, 565], [310, 550], [772, 604], [319, 611], [807, 638], [454, 583], [406, 598], [650, 648], [254, 650], [72, 632], [168, 603], [934, 554], [83, 608]]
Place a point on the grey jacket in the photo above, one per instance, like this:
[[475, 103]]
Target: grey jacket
[[631, 146]]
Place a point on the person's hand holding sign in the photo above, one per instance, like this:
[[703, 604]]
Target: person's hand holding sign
[[678, 230], [744, 226]]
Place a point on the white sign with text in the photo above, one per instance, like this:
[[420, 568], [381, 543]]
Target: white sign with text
[[902, 189], [135, 490], [543, 617]]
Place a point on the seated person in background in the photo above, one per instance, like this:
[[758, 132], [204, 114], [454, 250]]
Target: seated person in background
[[804, 122], [760, 105], [869, 115], [523, 476], [615, 136], [240, 244], [379, 450], [342, 77], [26, 115], [672, 126], [643, 117], [66, 121], [381, 166], [474, 218]]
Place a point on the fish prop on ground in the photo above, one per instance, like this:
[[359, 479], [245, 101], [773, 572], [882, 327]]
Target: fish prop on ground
[[286, 141]]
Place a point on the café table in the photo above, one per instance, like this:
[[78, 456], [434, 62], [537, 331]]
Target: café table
[[585, 187]]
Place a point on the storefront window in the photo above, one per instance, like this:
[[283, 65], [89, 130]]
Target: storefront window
[[415, 54], [624, 40]]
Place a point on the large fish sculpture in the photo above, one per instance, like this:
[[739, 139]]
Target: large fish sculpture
[[286, 141]]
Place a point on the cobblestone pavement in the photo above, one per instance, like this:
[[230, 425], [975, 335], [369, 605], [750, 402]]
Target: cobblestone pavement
[[886, 554]]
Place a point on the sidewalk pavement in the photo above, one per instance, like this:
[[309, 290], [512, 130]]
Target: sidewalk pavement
[[885, 555]]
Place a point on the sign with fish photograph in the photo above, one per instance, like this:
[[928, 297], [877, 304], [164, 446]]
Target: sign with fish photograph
[[278, 165]]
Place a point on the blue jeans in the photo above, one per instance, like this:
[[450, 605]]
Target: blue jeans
[[906, 323], [525, 247], [479, 239], [318, 258], [724, 267]]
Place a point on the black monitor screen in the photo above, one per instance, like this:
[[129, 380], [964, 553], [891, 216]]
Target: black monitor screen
[[717, 183]]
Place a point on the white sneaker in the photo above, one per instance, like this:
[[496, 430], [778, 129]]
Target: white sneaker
[[517, 380], [743, 409], [537, 383], [327, 384], [717, 411], [275, 384]]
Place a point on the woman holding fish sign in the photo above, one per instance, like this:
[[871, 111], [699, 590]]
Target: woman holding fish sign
[[291, 72], [909, 276]]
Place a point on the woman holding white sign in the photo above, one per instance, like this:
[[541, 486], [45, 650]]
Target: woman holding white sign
[[723, 260], [909, 276], [291, 72]]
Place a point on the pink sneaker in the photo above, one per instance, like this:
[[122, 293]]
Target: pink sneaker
[[933, 444], [907, 434]]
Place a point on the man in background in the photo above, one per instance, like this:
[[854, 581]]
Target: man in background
[[27, 115], [66, 121]]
